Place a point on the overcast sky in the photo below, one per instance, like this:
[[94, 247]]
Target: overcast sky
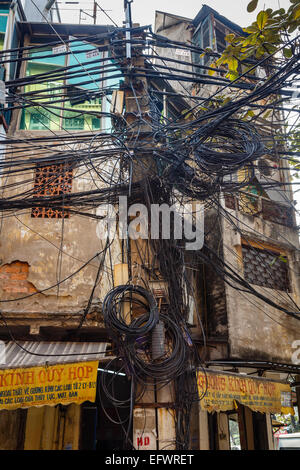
[[143, 11]]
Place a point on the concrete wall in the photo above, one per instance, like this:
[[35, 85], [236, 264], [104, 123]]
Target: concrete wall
[[181, 31], [36, 253], [256, 329], [36, 13]]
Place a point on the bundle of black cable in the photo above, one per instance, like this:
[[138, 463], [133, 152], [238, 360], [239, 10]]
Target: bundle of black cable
[[135, 297], [134, 337]]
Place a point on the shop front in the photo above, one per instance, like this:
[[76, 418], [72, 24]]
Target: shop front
[[45, 401], [235, 410]]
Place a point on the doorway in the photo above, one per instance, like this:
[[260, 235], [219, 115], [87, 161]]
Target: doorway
[[106, 424]]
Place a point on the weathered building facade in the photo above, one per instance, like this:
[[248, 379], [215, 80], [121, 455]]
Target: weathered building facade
[[58, 265], [258, 238]]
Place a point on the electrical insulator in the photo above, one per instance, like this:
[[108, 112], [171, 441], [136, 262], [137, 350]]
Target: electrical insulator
[[158, 341]]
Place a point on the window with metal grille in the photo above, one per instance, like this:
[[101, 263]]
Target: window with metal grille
[[52, 180], [265, 268], [203, 38]]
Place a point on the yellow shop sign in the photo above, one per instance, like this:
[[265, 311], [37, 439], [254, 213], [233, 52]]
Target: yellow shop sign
[[220, 392], [48, 385]]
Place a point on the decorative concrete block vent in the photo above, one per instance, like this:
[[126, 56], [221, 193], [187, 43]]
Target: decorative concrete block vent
[[52, 180]]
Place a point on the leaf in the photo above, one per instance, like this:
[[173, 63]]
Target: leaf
[[262, 19], [232, 75], [292, 28], [297, 12], [271, 48], [211, 73], [260, 52], [230, 37], [280, 12], [251, 29], [232, 64], [287, 53], [250, 40], [267, 114], [252, 6]]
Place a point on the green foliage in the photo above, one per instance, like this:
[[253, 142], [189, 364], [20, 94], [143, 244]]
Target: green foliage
[[294, 146], [291, 422], [252, 6], [263, 37]]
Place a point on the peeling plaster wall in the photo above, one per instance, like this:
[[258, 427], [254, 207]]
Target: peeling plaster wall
[[257, 330], [30, 251], [180, 32], [14, 276]]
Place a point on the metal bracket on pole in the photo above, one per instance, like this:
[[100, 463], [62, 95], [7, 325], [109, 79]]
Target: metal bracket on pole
[[128, 24]]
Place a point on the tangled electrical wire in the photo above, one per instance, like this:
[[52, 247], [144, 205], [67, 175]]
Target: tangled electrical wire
[[136, 340], [193, 153], [152, 349]]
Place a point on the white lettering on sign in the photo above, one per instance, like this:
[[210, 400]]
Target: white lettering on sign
[[59, 49], [91, 54], [182, 52]]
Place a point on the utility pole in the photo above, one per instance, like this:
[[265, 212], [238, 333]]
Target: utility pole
[[128, 24], [154, 413], [95, 12]]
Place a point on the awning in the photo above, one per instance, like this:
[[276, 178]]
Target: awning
[[221, 391], [48, 373], [35, 353]]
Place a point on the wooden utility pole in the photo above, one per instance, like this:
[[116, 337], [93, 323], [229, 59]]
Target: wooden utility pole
[[153, 421]]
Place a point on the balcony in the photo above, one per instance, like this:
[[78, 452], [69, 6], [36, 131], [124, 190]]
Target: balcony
[[259, 206]]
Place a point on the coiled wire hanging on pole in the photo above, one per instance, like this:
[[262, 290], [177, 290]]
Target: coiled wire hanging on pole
[[113, 310]]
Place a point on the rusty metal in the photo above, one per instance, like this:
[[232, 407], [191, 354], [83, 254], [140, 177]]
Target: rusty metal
[[265, 268]]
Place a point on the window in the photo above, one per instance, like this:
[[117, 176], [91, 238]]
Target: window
[[79, 107], [220, 32], [277, 213], [52, 180], [211, 34], [73, 123], [203, 38], [3, 23], [266, 268], [39, 120]]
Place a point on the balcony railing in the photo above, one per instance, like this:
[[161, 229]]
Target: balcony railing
[[259, 206]]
